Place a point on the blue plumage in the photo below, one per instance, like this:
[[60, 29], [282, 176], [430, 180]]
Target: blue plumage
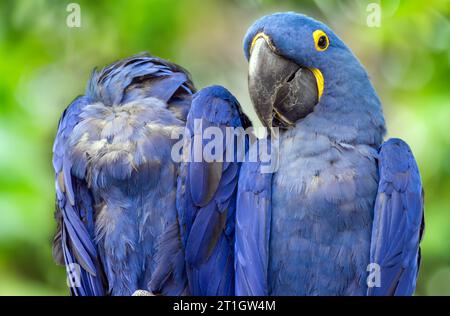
[[116, 181], [207, 195], [336, 203], [132, 218], [73, 242], [398, 223], [253, 224]]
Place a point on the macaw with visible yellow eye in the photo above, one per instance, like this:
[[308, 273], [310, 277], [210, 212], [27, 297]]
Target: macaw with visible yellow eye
[[343, 214]]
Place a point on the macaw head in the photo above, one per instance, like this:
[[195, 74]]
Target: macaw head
[[298, 65]]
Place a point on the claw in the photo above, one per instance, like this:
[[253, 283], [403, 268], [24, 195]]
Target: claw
[[143, 293]]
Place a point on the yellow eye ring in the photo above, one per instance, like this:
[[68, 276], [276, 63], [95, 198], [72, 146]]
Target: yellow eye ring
[[321, 40]]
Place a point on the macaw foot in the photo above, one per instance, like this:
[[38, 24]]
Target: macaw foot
[[143, 293]]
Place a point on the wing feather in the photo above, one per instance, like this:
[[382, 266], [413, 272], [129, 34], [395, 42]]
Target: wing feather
[[253, 218], [398, 221], [74, 213], [207, 198]]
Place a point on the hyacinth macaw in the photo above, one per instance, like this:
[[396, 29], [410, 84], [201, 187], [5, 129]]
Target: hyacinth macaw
[[206, 196], [116, 181], [342, 202]]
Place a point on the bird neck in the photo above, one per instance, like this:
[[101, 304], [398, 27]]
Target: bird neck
[[346, 79], [349, 110]]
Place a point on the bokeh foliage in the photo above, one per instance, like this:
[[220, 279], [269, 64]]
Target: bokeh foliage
[[44, 65]]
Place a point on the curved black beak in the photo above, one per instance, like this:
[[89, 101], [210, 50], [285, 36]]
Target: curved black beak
[[282, 92]]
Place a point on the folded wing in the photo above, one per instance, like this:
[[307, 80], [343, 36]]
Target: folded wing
[[207, 191], [73, 244], [253, 218], [398, 222]]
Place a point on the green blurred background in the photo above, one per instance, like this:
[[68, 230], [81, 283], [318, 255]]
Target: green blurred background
[[44, 64]]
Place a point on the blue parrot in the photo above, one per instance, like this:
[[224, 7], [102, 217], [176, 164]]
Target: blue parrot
[[116, 182], [343, 214], [206, 195]]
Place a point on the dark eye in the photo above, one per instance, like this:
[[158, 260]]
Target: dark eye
[[322, 43], [321, 40]]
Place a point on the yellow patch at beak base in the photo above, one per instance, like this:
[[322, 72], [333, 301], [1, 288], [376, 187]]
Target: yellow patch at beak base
[[320, 81]]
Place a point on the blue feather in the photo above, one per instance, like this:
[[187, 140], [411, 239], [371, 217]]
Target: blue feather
[[398, 222], [253, 220], [206, 199]]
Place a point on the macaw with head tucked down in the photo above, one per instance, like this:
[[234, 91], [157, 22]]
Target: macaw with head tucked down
[[115, 182], [343, 214]]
